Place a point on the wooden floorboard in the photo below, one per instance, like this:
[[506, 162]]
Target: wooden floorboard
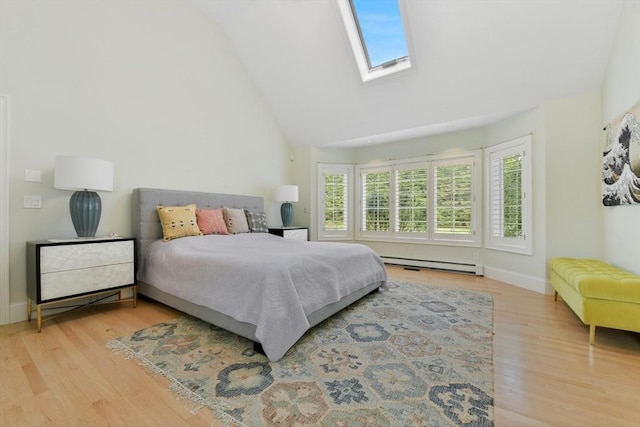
[[545, 371]]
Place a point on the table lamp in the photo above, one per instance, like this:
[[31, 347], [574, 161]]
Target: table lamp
[[85, 176], [287, 194]]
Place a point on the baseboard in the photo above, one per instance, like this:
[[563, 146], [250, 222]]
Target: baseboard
[[520, 280], [458, 267], [17, 312]]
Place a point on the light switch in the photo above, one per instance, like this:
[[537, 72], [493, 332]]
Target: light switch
[[32, 175], [32, 202]]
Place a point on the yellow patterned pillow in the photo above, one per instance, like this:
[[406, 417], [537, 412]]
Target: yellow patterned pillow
[[178, 221]]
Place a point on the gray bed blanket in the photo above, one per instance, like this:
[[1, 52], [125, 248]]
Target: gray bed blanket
[[262, 279]]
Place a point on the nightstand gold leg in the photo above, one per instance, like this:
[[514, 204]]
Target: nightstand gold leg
[[135, 296], [39, 318], [29, 309]]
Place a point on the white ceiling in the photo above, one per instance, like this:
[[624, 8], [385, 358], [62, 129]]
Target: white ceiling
[[473, 62]]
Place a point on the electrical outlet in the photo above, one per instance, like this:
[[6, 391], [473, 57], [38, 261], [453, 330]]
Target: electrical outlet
[[32, 202], [476, 256]]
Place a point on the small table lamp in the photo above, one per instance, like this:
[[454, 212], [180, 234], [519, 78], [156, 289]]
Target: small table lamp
[[86, 176], [287, 194]]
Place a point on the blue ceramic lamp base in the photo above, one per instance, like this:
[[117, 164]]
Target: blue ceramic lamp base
[[286, 211], [85, 208]]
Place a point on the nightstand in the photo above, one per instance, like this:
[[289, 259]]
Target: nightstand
[[60, 270], [295, 233]]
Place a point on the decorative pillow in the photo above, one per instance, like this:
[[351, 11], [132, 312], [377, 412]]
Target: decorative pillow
[[178, 221], [257, 221], [236, 220], [211, 221]]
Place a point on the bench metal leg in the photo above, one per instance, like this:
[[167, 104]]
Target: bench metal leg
[[592, 334]]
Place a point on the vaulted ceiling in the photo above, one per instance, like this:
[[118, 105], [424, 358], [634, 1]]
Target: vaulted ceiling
[[473, 62]]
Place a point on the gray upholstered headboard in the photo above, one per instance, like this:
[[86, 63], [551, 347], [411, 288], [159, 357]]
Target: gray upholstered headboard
[[146, 224]]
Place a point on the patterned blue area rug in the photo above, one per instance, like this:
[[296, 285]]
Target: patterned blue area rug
[[415, 355]]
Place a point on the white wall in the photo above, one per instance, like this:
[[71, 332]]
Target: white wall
[[154, 87], [620, 91], [573, 166]]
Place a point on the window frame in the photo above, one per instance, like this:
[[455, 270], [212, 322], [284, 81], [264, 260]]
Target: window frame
[[474, 239], [403, 167], [372, 234], [523, 244], [335, 168], [475, 232], [368, 73]]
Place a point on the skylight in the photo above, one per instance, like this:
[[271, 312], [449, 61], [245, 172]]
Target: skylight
[[377, 37]]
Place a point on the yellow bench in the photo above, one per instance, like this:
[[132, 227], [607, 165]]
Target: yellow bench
[[598, 293]]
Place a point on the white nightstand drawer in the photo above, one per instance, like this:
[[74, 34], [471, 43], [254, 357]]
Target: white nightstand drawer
[[296, 234], [93, 279], [75, 257]]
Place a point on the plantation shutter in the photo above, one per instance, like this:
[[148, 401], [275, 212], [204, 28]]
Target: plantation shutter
[[335, 201], [411, 200], [506, 195], [375, 188], [452, 183]]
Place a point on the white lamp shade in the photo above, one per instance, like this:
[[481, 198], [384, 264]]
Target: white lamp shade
[[80, 173], [287, 193]]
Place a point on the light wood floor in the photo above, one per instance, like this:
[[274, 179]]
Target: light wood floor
[[545, 372]]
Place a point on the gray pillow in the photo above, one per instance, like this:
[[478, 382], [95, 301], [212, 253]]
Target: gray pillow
[[257, 221]]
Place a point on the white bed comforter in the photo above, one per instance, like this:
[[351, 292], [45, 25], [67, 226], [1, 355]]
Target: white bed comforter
[[262, 279]]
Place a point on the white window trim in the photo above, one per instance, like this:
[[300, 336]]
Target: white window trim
[[473, 240], [523, 245], [335, 234], [475, 237], [404, 235], [370, 234]]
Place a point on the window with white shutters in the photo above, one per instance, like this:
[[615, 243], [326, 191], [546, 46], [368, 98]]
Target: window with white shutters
[[335, 205], [375, 198], [411, 204], [508, 196], [431, 199]]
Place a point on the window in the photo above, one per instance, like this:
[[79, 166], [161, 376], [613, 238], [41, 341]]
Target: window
[[453, 197], [375, 201], [508, 196], [429, 199], [411, 200], [334, 201], [377, 36]]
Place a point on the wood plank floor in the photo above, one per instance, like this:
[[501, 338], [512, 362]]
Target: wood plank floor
[[545, 372]]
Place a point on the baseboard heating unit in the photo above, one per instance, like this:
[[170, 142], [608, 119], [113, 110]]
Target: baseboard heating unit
[[458, 267]]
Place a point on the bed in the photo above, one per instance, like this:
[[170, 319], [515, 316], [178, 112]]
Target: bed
[[257, 285]]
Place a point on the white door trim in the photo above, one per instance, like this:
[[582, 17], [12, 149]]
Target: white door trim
[[4, 210]]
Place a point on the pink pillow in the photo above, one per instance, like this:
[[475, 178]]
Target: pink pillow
[[211, 221]]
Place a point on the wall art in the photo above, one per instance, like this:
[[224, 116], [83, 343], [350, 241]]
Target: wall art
[[621, 160]]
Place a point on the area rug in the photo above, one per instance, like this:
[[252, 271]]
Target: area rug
[[414, 355]]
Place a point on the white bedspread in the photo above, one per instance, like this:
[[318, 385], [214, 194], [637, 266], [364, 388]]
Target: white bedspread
[[262, 279]]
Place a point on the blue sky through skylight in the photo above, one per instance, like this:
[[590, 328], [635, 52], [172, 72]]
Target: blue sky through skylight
[[382, 30]]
